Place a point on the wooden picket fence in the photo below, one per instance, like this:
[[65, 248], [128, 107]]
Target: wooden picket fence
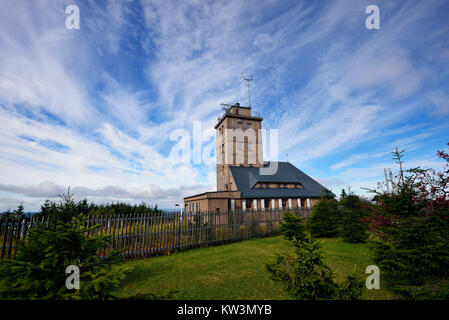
[[146, 235]]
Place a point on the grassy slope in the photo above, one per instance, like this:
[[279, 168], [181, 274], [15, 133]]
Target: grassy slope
[[235, 271]]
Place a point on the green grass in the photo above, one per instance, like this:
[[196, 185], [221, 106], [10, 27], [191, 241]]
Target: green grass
[[235, 271]]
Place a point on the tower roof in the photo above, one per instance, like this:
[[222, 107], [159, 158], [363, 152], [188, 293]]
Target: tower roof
[[235, 111]]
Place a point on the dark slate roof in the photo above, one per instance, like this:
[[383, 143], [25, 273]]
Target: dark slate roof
[[246, 177]]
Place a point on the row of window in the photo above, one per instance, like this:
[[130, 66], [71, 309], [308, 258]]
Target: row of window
[[240, 125], [279, 185], [281, 203], [239, 147], [193, 207], [267, 204]]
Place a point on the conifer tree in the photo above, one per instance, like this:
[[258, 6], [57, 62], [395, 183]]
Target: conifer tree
[[304, 275]]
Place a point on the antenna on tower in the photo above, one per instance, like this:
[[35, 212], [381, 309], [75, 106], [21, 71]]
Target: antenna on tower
[[248, 79]]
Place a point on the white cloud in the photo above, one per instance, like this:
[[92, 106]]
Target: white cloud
[[37, 65], [325, 83], [440, 102]]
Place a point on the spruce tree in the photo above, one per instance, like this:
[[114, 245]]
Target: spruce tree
[[304, 275], [353, 231], [38, 271], [324, 221]]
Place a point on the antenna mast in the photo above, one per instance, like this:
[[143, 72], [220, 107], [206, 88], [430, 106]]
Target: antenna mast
[[248, 79]]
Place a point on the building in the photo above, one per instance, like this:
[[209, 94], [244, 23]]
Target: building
[[244, 180]]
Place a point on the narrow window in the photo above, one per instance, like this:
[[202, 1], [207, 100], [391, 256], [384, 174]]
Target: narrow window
[[284, 203], [267, 203]]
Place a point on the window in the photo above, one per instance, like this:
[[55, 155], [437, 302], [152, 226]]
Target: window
[[240, 145], [249, 203], [248, 126], [239, 125], [267, 203], [278, 185], [236, 111], [250, 146], [284, 203], [267, 185]]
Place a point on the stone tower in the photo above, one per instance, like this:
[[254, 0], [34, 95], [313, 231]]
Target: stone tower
[[238, 143]]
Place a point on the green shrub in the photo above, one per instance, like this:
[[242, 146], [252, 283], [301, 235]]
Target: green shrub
[[304, 275], [38, 270], [324, 220], [411, 230], [351, 288], [67, 208], [292, 227], [349, 201], [415, 252], [352, 229]]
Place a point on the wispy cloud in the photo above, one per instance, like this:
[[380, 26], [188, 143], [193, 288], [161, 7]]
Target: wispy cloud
[[94, 108]]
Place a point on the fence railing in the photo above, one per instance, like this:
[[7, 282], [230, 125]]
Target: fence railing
[[146, 235]]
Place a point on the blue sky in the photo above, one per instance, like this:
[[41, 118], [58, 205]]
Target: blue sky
[[94, 108]]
